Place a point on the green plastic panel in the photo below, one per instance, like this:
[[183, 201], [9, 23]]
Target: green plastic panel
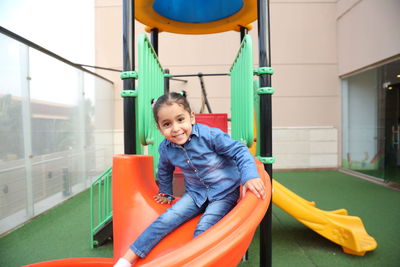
[[242, 94], [150, 86], [100, 203]]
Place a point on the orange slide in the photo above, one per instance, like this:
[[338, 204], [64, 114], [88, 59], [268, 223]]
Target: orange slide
[[134, 209]]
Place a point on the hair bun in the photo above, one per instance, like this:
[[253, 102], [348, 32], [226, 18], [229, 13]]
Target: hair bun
[[183, 93]]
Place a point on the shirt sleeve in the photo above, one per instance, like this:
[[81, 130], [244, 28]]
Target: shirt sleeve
[[228, 147], [165, 172]]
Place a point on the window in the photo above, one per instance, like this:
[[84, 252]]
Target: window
[[371, 122]]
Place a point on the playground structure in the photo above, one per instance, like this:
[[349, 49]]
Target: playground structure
[[133, 176]]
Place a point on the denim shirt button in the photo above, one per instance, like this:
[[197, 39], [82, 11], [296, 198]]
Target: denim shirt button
[[195, 170]]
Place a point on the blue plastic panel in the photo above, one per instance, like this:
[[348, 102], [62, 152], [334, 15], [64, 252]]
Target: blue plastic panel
[[197, 11]]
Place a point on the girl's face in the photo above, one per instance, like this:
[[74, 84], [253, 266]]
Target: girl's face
[[175, 123]]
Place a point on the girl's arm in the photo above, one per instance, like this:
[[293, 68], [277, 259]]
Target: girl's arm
[[255, 185], [164, 177], [224, 145], [250, 179], [164, 198]]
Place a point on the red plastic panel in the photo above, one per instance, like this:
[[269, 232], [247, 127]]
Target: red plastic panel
[[216, 120]]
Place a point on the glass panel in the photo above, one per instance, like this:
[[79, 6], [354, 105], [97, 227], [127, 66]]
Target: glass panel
[[56, 131], [56, 93], [12, 155], [362, 122], [390, 124], [11, 134], [371, 122], [99, 117]]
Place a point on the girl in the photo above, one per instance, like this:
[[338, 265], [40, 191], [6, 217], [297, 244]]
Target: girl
[[213, 164]]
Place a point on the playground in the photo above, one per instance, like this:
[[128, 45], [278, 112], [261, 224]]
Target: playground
[[309, 218], [63, 231]]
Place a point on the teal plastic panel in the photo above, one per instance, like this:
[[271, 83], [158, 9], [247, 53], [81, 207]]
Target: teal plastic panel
[[150, 86], [242, 94]]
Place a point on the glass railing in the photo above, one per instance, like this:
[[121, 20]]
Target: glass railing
[[56, 129]]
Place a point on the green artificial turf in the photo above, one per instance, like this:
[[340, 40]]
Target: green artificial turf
[[377, 206], [63, 232]]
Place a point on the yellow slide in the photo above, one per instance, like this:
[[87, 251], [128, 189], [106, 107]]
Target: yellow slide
[[345, 230]]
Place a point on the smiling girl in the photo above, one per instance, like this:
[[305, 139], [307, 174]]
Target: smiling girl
[[214, 166]]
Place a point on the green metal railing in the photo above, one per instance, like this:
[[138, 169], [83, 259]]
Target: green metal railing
[[100, 203], [242, 94]]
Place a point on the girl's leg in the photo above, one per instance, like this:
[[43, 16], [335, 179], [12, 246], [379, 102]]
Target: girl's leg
[[182, 211], [215, 211]]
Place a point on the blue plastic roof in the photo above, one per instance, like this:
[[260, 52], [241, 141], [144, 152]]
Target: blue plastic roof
[[197, 11]]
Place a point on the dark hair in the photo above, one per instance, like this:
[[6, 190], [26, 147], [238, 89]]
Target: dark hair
[[169, 99]]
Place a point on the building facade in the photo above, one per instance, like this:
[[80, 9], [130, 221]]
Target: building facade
[[334, 63]]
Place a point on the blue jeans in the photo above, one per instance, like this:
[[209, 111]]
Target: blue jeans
[[182, 211]]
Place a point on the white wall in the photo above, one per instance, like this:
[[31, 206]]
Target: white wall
[[307, 91], [305, 147], [367, 33]]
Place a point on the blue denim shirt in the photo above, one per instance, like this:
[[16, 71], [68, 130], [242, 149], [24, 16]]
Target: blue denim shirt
[[213, 164]]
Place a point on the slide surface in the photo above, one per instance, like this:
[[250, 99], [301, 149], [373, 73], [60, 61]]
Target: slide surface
[[134, 209], [337, 226]]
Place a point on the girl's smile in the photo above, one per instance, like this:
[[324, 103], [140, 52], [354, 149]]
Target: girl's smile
[[175, 123]]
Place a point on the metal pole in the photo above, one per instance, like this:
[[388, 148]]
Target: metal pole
[[265, 125], [154, 39], [128, 28], [243, 32], [166, 82], [27, 129], [203, 91]]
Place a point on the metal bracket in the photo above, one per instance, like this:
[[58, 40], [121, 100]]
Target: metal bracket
[[263, 70], [129, 93], [265, 91], [129, 74], [267, 160]]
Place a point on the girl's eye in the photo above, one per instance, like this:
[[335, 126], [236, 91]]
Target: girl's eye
[[181, 119], [166, 124]]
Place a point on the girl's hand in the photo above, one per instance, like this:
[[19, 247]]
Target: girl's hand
[[255, 185], [162, 199]]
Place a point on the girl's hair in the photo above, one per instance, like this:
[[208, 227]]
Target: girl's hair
[[169, 99]]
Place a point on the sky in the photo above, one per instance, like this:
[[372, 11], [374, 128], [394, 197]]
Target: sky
[[63, 27]]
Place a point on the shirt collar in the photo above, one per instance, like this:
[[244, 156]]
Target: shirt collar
[[195, 130]]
